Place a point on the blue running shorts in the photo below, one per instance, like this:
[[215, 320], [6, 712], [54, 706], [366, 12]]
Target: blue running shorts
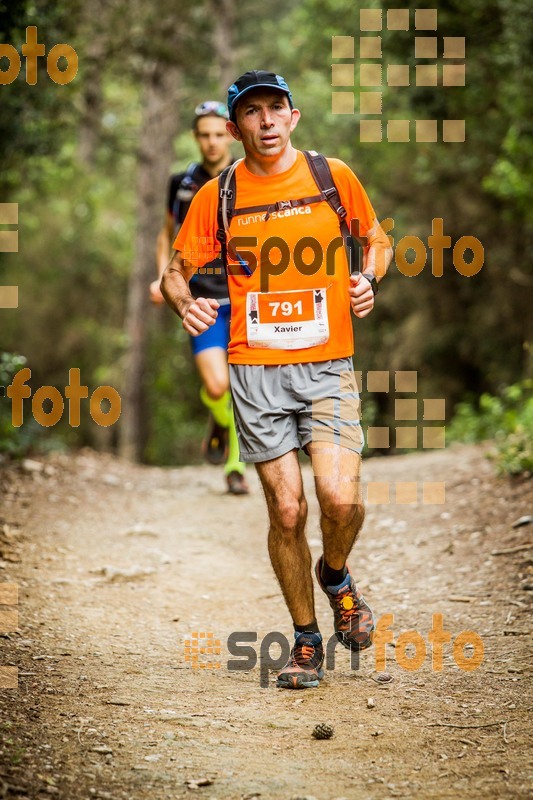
[[215, 336]]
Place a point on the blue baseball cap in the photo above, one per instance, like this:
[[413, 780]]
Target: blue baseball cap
[[255, 79]]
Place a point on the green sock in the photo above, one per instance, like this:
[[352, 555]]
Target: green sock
[[220, 409], [233, 464]]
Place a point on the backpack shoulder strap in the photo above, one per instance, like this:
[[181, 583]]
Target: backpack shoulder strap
[[187, 173], [227, 190], [321, 172], [184, 194], [186, 178]]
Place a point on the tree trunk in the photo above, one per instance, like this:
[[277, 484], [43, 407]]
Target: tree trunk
[[224, 41], [95, 31], [160, 122]]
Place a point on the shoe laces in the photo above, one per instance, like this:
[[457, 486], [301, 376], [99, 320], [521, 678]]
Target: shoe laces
[[347, 604], [303, 654]]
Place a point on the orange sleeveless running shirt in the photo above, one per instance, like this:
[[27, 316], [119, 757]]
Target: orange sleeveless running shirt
[[197, 243]]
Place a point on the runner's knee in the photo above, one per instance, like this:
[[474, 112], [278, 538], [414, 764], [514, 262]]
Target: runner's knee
[[342, 513], [289, 513], [216, 387]]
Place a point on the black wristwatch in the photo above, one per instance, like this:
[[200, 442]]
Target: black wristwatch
[[372, 281]]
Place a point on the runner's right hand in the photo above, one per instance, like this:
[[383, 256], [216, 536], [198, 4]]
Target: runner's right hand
[[200, 315]]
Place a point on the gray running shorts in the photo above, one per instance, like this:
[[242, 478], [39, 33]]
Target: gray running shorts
[[282, 407]]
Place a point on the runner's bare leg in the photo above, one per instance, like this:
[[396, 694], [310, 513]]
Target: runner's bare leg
[[289, 552], [338, 489], [212, 365]]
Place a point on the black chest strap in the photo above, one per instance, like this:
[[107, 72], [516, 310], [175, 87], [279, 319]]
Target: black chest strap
[[281, 205], [323, 178]]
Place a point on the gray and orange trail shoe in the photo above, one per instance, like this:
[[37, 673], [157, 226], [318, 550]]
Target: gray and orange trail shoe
[[303, 670], [352, 616]]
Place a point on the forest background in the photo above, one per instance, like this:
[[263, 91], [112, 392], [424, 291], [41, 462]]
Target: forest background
[[88, 163]]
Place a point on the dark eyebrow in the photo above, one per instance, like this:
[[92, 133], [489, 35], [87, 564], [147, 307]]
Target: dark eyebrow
[[277, 98]]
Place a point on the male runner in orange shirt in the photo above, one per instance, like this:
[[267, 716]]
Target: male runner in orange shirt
[[290, 351]]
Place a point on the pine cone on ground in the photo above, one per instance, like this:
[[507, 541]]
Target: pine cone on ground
[[323, 731]]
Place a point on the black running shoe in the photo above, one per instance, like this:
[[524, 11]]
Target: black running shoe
[[237, 483], [215, 444]]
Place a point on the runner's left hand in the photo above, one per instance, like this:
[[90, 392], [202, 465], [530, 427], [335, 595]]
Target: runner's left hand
[[361, 295], [155, 292]]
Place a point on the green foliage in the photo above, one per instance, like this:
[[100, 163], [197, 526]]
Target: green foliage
[[507, 419], [178, 419], [35, 120], [15, 442], [78, 223], [10, 363]]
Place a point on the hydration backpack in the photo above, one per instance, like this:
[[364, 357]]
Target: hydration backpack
[[321, 172], [187, 188]]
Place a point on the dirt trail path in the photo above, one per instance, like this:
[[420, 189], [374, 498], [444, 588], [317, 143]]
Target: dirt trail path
[[118, 565]]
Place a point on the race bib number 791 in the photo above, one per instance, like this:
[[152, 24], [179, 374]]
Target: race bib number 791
[[287, 320]]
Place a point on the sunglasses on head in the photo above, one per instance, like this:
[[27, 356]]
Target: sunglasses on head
[[211, 107]]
